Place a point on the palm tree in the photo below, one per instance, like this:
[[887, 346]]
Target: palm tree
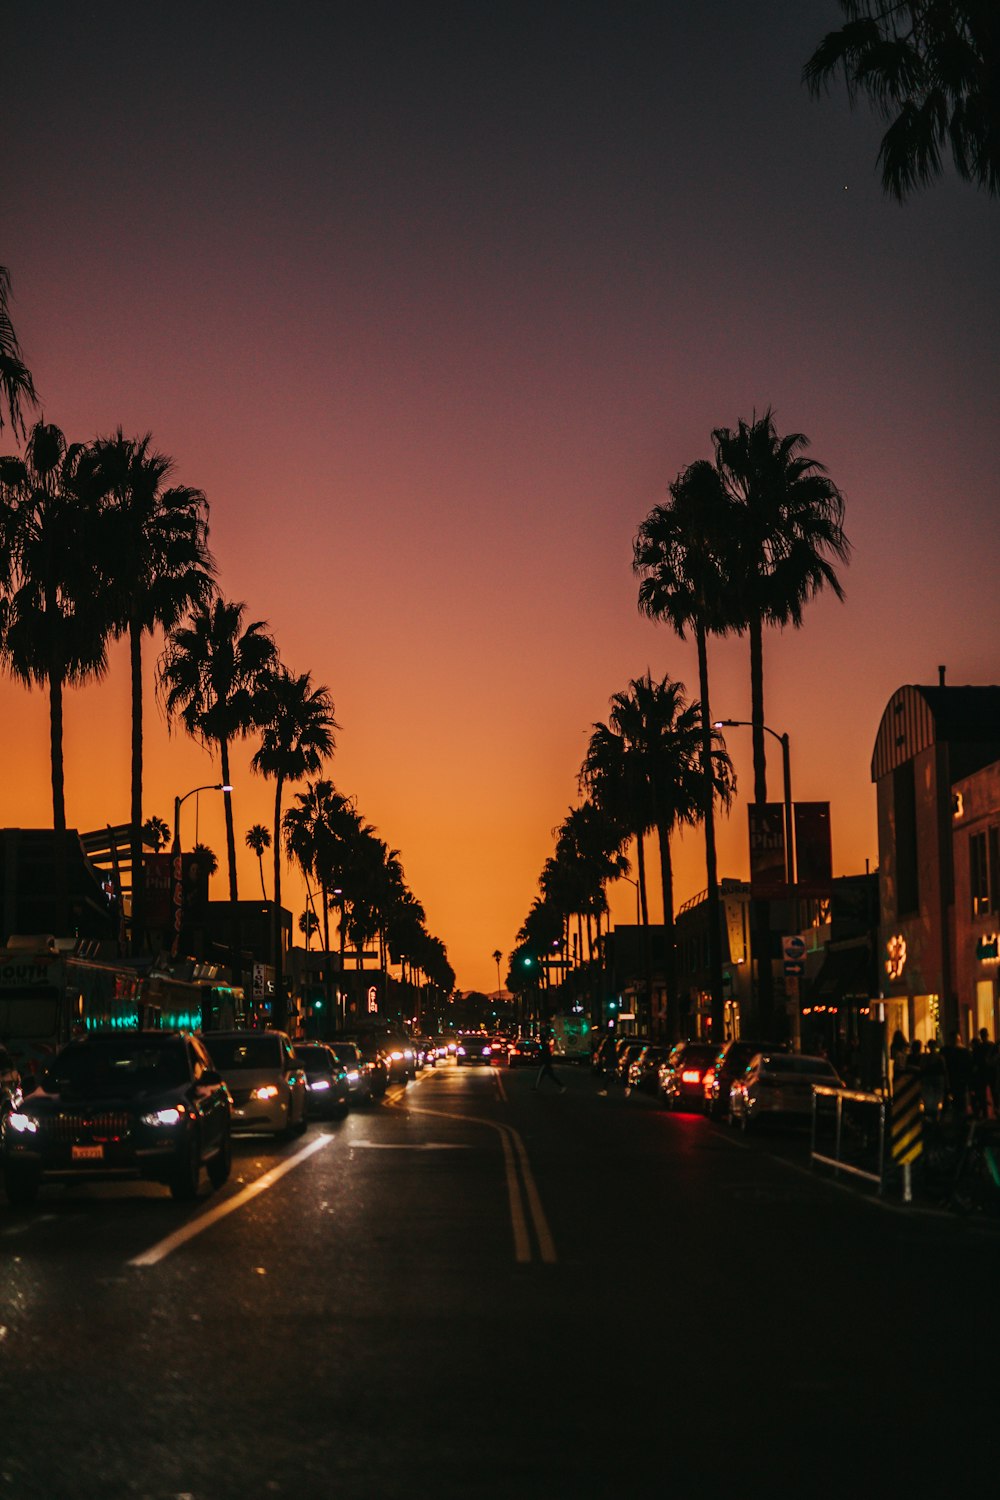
[[297, 736], [155, 834], [308, 926], [258, 839], [661, 764], [931, 69], [50, 580], [16, 384], [210, 675], [208, 857], [787, 523], [681, 556], [159, 565], [319, 832]]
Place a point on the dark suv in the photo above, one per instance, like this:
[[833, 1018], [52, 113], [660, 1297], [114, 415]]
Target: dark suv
[[121, 1104]]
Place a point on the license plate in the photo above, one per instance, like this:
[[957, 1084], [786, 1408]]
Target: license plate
[[88, 1153]]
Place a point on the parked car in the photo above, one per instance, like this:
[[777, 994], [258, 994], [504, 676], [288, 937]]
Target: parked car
[[628, 1050], [266, 1080], [603, 1053], [327, 1090], [679, 1079], [778, 1086], [473, 1049], [498, 1050], [147, 1104], [10, 1088], [643, 1071], [730, 1063]]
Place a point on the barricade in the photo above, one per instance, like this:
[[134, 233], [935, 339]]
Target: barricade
[[848, 1132]]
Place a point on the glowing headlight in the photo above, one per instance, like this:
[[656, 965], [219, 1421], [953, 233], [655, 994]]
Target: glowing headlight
[[319, 1085], [164, 1117], [460, 1051], [266, 1091], [23, 1124], [407, 1054], [353, 1077], [397, 1056]]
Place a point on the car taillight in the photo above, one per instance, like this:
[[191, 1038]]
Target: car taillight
[[709, 1078], [690, 1075]]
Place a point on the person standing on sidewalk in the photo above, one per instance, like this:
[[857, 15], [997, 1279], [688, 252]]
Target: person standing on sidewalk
[[547, 1070]]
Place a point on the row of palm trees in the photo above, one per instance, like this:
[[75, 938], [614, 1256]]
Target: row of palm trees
[[743, 542], [97, 544]]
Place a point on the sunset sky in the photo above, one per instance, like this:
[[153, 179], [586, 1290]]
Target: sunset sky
[[433, 301]]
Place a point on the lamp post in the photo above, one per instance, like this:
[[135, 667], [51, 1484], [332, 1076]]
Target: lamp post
[[786, 788], [765, 990], [638, 914], [215, 786]]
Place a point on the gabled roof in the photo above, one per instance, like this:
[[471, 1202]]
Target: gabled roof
[[917, 717]]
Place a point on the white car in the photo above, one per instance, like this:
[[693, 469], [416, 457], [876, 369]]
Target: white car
[[265, 1079], [779, 1085]]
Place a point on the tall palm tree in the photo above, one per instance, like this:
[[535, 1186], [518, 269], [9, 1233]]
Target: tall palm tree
[[51, 545], [155, 834], [258, 839], [297, 735], [931, 68], [308, 926], [681, 556], [210, 674], [787, 525], [16, 384], [319, 833], [160, 566]]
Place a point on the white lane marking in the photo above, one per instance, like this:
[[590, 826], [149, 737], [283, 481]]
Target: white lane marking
[[205, 1221], [409, 1146], [512, 1142], [503, 1091]]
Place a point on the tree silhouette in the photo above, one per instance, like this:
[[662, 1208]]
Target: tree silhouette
[[16, 384]]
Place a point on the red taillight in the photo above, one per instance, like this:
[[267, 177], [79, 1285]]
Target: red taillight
[[690, 1075]]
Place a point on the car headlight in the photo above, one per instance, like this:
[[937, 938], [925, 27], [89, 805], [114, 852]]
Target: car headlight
[[266, 1091], [171, 1116], [319, 1085], [407, 1054], [353, 1077], [23, 1124]]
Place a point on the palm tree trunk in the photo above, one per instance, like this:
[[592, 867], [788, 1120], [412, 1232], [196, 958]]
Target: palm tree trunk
[[260, 862], [712, 913], [760, 909], [324, 896], [135, 839], [669, 954], [227, 802], [278, 1013], [59, 871], [647, 947]]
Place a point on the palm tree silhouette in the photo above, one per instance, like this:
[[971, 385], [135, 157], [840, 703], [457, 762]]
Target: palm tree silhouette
[[787, 523], [210, 675], [16, 384], [681, 556], [258, 839], [931, 70], [297, 735], [155, 834], [159, 566], [54, 628]]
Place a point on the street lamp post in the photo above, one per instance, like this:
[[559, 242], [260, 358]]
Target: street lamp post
[[215, 786], [638, 914], [789, 849]]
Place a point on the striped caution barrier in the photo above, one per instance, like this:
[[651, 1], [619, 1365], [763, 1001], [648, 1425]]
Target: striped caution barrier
[[907, 1135]]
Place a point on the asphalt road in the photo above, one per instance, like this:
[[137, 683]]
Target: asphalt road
[[479, 1289]]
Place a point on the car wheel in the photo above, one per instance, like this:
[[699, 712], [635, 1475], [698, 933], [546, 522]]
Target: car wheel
[[186, 1174], [22, 1184], [221, 1164]]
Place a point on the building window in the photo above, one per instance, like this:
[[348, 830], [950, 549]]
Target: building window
[[984, 871], [904, 799]]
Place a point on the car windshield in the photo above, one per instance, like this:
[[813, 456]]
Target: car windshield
[[345, 1052], [121, 1066], [235, 1052], [701, 1052], [792, 1066], [314, 1059]]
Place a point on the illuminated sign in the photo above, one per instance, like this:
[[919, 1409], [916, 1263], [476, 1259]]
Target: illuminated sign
[[896, 961], [988, 948]]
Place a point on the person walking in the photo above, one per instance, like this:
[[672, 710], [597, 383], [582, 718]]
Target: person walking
[[547, 1070], [958, 1075], [983, 1068]]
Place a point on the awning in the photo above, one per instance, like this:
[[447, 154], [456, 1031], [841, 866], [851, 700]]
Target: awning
[[845, 974]]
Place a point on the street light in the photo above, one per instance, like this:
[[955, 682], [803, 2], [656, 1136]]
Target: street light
[[787, 787], [638, 914], [215, 786]]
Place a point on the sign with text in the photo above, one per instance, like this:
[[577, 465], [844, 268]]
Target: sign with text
[[767, 850]]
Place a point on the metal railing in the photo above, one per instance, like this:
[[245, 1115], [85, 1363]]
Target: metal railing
[[848, 1132]]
